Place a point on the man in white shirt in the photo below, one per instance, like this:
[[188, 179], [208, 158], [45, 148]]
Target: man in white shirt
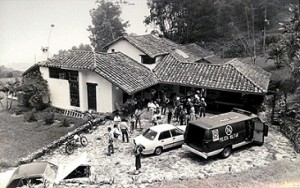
[[124, 131]]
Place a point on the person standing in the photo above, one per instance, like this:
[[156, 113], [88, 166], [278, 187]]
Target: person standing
[[181, 115], [192, 114], [117, 119], [124, 131], [116, 134], [170, 114], [189, 105], [138, 152], [202, 107], [137, 114], [197, 105], [164, 103], [110, 141], [132, 122]]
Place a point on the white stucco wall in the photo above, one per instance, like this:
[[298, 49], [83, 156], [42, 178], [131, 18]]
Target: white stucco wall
[[126, 48], [103, 91], [59, 90], [106, 92], [131, 51]]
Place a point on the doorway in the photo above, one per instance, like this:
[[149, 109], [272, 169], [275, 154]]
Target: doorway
[[92, 96]]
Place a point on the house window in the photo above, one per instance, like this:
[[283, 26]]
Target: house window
[[58, 73], [147, 59], [54, 72], [74, 88]]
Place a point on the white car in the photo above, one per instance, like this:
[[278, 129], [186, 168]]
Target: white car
[[160, 137]]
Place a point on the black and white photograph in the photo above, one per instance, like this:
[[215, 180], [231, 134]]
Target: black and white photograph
[[150, 93]]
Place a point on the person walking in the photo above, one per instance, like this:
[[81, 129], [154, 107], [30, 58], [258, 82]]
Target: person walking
[[124, 131], [202, 107], [110, 141], [138, 152]]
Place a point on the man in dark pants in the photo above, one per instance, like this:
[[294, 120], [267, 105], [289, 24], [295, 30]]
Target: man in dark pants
[[202, 107], [138, 152], [124, 130]]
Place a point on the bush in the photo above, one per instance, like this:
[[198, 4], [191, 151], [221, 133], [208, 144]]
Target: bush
[[65, 123], [30, 116], [49, 118]]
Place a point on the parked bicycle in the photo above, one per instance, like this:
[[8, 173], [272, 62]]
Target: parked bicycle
[[73, 143]]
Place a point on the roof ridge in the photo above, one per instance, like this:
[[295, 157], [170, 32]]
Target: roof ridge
[[252, 82]]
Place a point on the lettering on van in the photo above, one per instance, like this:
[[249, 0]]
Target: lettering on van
[[233, 136]]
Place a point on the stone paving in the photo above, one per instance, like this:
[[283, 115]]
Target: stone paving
[[117, 170]]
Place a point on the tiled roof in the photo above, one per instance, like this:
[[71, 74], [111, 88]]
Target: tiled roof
[[228, 76], [117, 68], [149, 44]]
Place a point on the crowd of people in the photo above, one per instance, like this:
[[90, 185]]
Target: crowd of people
[[178, 109]]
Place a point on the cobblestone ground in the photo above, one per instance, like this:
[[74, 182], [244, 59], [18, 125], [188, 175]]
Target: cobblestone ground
[[117, 170]]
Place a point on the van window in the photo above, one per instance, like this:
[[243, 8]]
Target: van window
[[164, 135]]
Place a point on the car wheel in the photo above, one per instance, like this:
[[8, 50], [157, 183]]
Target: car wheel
[[158, 151], [83, 141], [226, 152]]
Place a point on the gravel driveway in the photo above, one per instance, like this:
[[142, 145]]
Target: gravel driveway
[[171, 166]]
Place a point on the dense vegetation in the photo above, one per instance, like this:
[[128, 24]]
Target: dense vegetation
[[231, 28]]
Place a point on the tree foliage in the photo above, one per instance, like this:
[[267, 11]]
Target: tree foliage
[[286, 51], [228, 23], [37, 90], [106, 24]]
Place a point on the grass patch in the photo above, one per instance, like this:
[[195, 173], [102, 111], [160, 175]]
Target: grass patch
[[20, 138]]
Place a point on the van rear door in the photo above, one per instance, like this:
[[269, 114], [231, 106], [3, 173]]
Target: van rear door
[[258, 134]]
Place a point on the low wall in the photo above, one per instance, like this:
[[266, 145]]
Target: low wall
[[55, 144]]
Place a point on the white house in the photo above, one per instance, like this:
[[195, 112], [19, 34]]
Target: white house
[[81, 80], [84, 81]]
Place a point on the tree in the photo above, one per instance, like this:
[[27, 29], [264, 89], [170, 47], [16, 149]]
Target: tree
[[36, 89], [106, 24], [290, 40], [215, 21], [84, 47]]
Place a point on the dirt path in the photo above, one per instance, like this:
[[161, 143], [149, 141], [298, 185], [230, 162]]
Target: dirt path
[[284, 173]]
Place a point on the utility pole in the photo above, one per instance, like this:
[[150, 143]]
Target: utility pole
[[52, 25], [264, 34]]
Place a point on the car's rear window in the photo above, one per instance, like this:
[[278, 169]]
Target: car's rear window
[[150, 134]]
